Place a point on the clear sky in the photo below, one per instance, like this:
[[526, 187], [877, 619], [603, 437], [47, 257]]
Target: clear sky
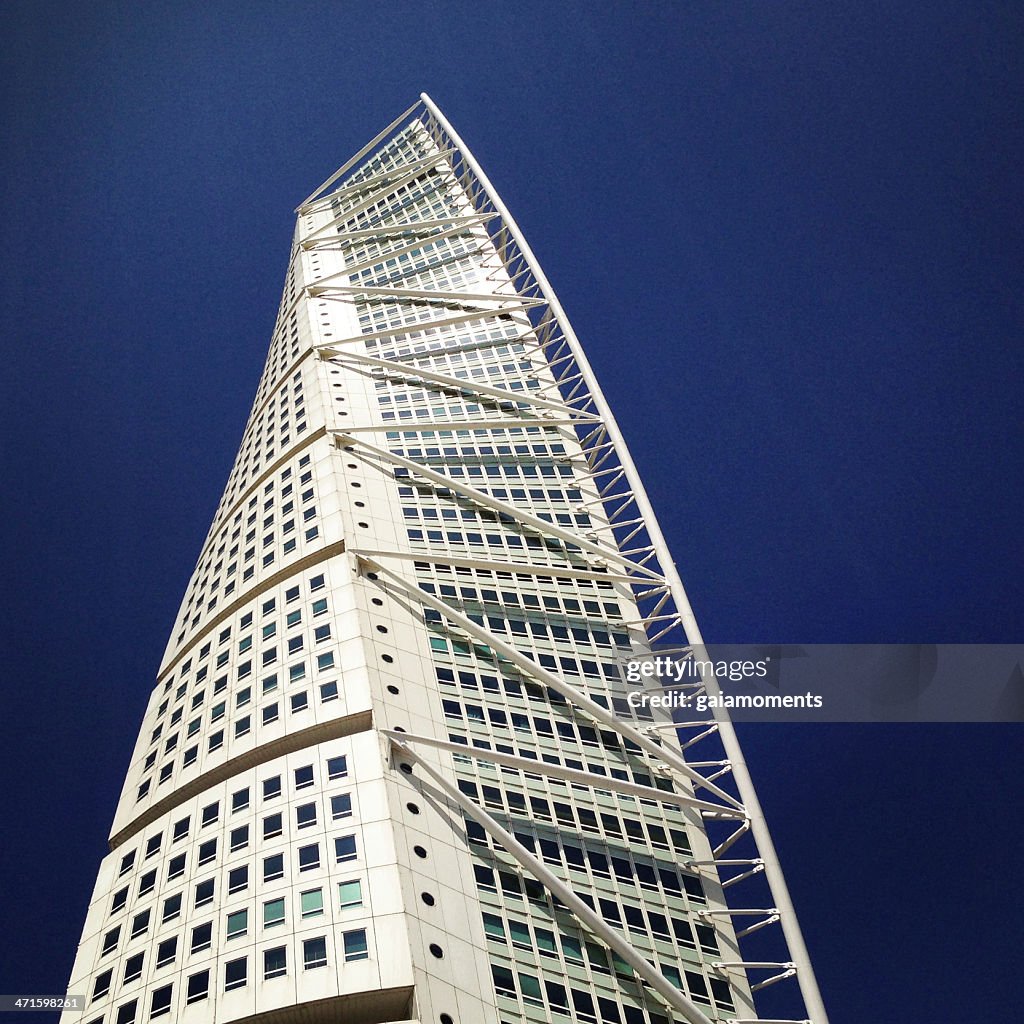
[[789, 236]]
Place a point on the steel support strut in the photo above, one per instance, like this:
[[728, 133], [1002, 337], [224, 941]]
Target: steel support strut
[[616, 942], [758, 826]]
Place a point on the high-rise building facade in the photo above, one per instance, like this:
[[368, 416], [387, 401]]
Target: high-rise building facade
[[388, 771]]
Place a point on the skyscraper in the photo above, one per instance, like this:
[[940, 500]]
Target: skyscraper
[[388, 771]]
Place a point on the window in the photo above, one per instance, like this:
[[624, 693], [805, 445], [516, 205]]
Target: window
[[337, 767], [239, 838], [238, 879], [161, 1002], [102, 986], [240, 800], [272, 787], [345, 849], [198, 987], [147, 882], [202, 936], [305, 815], [119, 900], [210, 814], [300, 701], [204, 892], [355, 945], [312, 903], [140, 924], [314, 953], [530, 987], [275, 962], [236, 973], [180, 829], [272, 826], [126, 1013], [238, 923], [176, 866], [271, 713], [328, 691], [273, 913], [341, 806], [133, 968], [273, 867], [304, 776], [172, 907], [350, 894], [153, 846], [207, 851], [309, 857], [167, 951]]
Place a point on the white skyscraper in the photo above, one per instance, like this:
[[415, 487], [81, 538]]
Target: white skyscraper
[[387, 772]]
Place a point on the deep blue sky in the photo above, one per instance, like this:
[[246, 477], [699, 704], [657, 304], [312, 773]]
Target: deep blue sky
[[790, 238]]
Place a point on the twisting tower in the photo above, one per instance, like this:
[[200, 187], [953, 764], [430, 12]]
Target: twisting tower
[[387, 772]]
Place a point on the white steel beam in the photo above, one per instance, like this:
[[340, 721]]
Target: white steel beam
[[428, 325], [494, 565], [573, 775], [611, 938], [579, 699], [419, 426], [458, 383], [744, 784], [369, 147], [542, 526]]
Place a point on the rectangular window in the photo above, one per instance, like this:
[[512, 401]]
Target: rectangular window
[[345, 849], [140, 924], [337, 767], [314, 953], [102, 986], [207, 851], [204, 892], [238, 879], [133, 968], [161, 1002], [236, 973], [312, 903], [273, 913], [172, 907], [350, 894], [271, 787], [176, 867], [239, 838], [305, 815], [275, 962], [202, 936], [355, 945], [126, 1013], [238, 923], [167, 951], [341, 806], [273, 825], [309, 857], [198, 987], [273, 867]]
